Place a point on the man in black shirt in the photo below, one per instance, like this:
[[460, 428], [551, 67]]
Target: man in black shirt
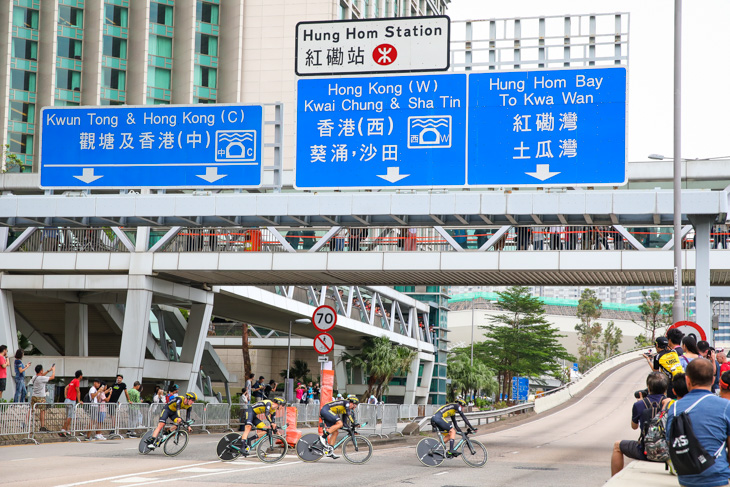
[[258, 389], [117, 390], [675, 336]]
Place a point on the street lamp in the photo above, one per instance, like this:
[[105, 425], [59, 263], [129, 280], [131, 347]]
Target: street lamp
[[300, 321]]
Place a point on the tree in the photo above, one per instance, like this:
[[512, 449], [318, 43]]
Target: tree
[[641, 341], [381, 360], [245, 351], [8, 160], [612, 336], [467, 379], [655, 313], [589, 330], [520, 341], [298, 371]]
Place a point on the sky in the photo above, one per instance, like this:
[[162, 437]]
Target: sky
[[705, 67]]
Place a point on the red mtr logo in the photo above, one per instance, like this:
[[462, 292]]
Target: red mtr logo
[[385, 54]]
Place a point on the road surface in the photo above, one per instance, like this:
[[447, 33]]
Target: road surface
[[571, 447]]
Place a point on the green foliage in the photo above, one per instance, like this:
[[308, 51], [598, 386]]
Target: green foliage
[[654, 313], [9, 161], [381, 360], [612, 336], [26, 345], [589, 330], [299, 371], [467, 379], [641, 341], [520, 341]]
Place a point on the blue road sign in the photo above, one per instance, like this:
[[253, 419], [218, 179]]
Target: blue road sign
[[543, 128], [160, 146], [520, 388], [397, 131], [575, 366]]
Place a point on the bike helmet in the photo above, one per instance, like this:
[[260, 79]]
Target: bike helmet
[[461, 402], [279, 400], [191, 395], [353, 399]]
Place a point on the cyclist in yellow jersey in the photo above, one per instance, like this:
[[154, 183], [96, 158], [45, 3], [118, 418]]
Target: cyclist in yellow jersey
[[449, 411], [172, 412], [250, 417], [333, 414]]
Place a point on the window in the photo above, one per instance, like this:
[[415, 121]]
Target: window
[[20, 143], [25, 49], [70, 16], [25, 17], [67, 79], [205, 44], [104, 101], [115, 15], [65, 103], [205, 76], [203, 100], [159, 78], [207, 12], [22, 112], [115, 47], [161, 46], [113, 78], [70, 48], [160, 14], [22, 80]]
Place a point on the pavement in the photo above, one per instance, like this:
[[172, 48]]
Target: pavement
[[568, 447], [644, 474]]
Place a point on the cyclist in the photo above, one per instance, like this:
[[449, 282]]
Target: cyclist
[[268, 408], [449, 410], [329, 414], [172, 412]]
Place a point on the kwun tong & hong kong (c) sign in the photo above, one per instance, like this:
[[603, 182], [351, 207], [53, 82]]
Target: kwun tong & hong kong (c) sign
[[398, 45]]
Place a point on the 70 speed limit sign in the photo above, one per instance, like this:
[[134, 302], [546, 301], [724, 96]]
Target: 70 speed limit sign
[[324, 318]]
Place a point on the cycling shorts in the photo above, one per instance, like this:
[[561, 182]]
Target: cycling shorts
[[329, 418], [441, 423], [249, 417], [167, 414]]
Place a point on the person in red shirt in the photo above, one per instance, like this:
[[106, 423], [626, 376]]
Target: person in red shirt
[[3, 368], [724, 364], [73, 395]]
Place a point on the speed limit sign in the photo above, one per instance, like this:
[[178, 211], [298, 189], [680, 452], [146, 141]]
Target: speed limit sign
[[324, 318]]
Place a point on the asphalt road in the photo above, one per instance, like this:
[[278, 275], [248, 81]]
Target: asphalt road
[[570, 447]]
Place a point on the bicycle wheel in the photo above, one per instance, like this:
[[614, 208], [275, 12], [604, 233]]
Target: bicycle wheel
[[225, 449], [175, 443], [357, 449], [271, 450], [476, 459], [430, 452], [143, 446], [309, 448]]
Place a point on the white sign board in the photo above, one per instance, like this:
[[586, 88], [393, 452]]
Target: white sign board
[[399, 45]]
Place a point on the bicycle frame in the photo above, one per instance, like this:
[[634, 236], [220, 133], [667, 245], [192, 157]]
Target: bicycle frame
[[464, 439], [269, 433]]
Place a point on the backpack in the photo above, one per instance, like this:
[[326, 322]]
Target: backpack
[[655, 438], [688, 455], [670, 364]]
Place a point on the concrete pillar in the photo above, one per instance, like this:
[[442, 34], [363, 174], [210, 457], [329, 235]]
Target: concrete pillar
[[340, 370], [93, 49], [426, 378], [230, 66], [8, 336], [137, 51], [134, 333], [183, 51], [703, 316], [143, 239], [412, 382], [194, 341], [76, 321]]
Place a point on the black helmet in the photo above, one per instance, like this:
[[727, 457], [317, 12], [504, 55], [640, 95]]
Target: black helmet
[[662, 342]]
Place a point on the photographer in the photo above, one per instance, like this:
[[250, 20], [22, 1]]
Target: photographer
[[666, 361], [706, 351]]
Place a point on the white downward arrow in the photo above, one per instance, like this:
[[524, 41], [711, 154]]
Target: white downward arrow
[[211, 175], [393, 175], [542, 172], [87, 175]]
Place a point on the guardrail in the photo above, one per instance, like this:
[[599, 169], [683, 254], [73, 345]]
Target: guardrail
[[494, 413]]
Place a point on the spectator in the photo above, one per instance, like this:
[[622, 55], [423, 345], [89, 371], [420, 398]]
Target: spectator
[[571, 237], [301, 393], [245, 398], [689, 346], [294, 239], [72, 395], [460, 237], [665, 361], [134, 393], [482, 235], [555, 233], [159, 397], [309, 238], [103, 398], [249, 385], [117, 389], [38, 395], [372, 400], [135, 397], [271, 386], [538, 238], [675, 336], [656, 382], [258, 389], [708, 353], [710, 416], [172, 394], [3, 368], [92, 403], [524, 235], [356, 237], [679, 386], [722, 360], [337, 241], [725, 385], [310, 393], [316, 391], [20, 392]]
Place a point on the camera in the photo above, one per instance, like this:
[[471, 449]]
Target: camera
[[641, 394]]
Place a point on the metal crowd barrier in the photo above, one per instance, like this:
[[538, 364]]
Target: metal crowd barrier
[[408, 411], [389, 423], [367, 416], [216, 415], [50, 418], [91, 418], [16, 420], [132, 416]]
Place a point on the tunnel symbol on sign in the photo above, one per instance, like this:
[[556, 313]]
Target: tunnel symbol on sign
[[235, 145], [429, 132]]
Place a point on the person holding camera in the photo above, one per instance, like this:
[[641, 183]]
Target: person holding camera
[[666, 361], [641, 414], [708, 352]]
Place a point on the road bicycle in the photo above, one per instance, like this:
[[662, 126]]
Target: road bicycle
[[355, 448], [432, 452], [270, 448], [173, 442]]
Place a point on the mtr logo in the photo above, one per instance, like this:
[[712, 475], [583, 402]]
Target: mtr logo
[[385, 54]]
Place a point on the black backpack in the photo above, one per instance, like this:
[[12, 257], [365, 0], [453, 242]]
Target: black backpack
[[652, 410], [688, 455]]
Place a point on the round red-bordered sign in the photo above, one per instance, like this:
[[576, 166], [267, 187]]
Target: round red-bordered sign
[[324, 343], [690, 328], [385, 54], [324, 318]]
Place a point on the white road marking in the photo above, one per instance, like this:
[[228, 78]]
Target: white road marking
[[200, 470], [85, 482], [440, 473], [217, 472], [135, 448], [20, 459], [130, 480]]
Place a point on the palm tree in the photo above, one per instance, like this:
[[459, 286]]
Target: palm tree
[[299, 370], [467, 378], [381, 359]]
